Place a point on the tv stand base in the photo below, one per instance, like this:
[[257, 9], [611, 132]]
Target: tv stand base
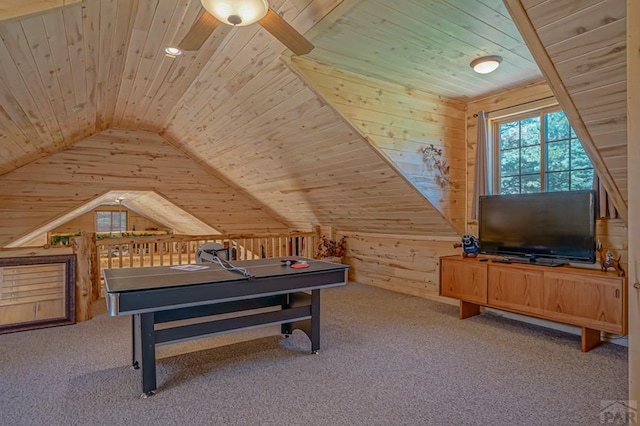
[[468, 310], [590, 337], [590, 299]]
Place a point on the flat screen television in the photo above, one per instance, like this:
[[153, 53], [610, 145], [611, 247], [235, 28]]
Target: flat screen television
[[546, 227]]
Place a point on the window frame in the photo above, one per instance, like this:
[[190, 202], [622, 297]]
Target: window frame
[[519, 116], [111, 213]]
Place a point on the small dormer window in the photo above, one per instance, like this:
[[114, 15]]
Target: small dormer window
[[111, 221]]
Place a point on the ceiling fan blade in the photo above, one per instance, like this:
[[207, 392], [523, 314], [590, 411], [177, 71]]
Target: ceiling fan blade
[[199, 32], [284, 32]]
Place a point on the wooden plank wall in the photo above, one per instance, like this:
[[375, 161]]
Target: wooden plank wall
[[277, 139], [87, 222], [398, 121], [526, 94], [401, 263], [612, 233], [633, 149], [117, 159]]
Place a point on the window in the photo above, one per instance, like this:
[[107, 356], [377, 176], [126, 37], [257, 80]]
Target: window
[[538, 152], [111, 221]]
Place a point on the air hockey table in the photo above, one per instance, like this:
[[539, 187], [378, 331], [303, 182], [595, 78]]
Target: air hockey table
[[193, 301]]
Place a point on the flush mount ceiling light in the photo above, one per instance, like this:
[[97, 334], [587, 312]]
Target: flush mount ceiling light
[[486, 64], [237, 12], [172, 51]]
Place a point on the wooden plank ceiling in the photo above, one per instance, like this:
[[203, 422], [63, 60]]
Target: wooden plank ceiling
[[428, 45], [73, 69]]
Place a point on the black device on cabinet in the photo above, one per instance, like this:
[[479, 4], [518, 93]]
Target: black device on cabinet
[[543, 228]]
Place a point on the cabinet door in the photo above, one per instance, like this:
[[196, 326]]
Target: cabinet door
[[516, 289], [17, 313], [595, 302], [463, 279], [614, 314], [50, 309]]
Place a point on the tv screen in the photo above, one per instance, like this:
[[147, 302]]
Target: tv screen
[[545, 225]]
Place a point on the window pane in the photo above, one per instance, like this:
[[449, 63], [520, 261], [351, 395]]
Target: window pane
[[558, 181], [510, 162], [558, 156], [530, 183], [119, 221], [557, 126], [581, 179], [579, 158], [531, 160], [103, 221], [510, 135], [530, 131], [510, 185], [111, 221]]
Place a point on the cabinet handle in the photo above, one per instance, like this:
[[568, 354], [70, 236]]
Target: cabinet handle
[[617, 293]]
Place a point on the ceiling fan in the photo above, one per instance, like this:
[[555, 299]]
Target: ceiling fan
[[240, 13]]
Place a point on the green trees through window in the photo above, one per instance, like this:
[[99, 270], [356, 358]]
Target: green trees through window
[[541, 152]]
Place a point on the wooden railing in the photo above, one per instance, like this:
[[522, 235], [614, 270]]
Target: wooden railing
[[92, 256], [181, 249]]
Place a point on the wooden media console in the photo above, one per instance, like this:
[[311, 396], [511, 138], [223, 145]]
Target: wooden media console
[[587, 298]]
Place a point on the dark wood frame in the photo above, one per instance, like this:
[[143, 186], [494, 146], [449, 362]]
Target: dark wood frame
[[70, 285]]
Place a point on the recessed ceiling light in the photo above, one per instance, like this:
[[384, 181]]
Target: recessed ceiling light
[[172, 51], [486, 64]]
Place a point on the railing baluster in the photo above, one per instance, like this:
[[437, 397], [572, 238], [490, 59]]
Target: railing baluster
[[109, 256], [244, 249]]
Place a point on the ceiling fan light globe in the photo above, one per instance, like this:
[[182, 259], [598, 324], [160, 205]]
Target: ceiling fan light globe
[[237, 12]]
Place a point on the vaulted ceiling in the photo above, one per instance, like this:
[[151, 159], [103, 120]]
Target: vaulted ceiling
[[72, 70]]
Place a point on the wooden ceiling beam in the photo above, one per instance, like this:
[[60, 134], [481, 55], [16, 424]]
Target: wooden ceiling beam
[[12, 9]]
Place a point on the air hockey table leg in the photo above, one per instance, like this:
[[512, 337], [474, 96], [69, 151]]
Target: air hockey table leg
[[135, 343], [315, 321], [147, 354]]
